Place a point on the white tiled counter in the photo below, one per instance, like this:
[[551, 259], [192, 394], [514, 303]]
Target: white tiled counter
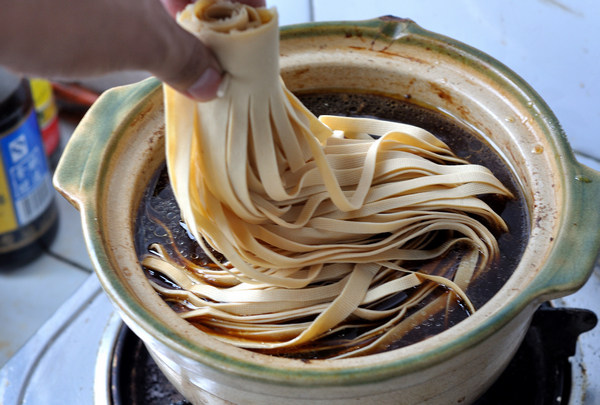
[[553, 45], [30, 295]]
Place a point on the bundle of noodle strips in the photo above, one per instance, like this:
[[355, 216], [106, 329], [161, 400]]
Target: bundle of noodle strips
[[315, 217]]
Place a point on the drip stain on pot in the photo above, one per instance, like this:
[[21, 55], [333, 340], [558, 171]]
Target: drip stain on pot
[[159, 220]]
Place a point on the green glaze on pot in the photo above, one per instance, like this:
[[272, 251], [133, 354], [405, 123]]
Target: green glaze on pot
[[119, 144]]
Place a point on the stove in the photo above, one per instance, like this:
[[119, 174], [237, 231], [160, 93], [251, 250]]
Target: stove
[[85, 355], [540, 373]]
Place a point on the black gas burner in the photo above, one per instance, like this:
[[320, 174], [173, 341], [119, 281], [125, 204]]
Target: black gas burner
[[135, 377], [539, 374]]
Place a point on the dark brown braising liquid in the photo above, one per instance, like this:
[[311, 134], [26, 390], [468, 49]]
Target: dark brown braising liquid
[[159, 221]]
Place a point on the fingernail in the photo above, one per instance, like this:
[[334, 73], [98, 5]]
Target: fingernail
[[223, 86], [207, 86]]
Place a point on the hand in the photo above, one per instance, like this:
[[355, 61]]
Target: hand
[[206, 86], [76, 39]]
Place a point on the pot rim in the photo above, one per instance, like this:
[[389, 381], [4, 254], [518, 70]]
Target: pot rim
[[581, 185]]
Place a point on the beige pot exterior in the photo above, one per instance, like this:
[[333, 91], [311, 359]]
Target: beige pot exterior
[[120, 143]]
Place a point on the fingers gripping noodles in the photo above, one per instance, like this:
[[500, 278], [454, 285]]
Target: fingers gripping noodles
[[316, 217]]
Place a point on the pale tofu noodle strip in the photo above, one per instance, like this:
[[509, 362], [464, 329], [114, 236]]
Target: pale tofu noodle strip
[[316, 217]]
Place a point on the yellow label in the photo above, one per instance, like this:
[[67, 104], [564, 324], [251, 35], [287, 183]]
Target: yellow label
[[8, 220], [41, 90], [43, 99]]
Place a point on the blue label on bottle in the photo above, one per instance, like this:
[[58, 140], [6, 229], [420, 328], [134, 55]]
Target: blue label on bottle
[[26, 171]]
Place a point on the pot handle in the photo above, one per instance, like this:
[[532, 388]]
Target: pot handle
[[78, 172], [573, 261]]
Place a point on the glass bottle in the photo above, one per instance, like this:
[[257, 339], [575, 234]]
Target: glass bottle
[[28, 212]]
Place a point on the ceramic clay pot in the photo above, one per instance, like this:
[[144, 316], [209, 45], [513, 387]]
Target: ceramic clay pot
[[120, 144]]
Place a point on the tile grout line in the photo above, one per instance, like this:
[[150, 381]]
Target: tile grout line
[[587, 155], [68, 261]]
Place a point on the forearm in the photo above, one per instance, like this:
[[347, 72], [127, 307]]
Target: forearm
[[74, 39], [60, 39]]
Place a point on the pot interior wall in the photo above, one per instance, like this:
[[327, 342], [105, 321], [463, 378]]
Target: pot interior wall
[[507, 123], [483, 96]]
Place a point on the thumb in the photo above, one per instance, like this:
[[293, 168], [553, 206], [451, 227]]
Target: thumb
[[191, 69], [198, 74], [185, 63]]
